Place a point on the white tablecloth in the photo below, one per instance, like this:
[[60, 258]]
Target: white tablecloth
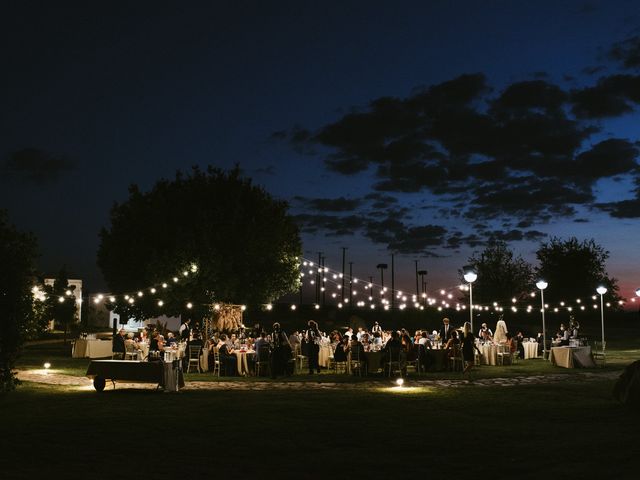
[[243, 366], [83, 348], [530, 350], [489, 354], [325, 354]]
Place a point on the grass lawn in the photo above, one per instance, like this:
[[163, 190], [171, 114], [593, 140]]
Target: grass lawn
[[564, 429]]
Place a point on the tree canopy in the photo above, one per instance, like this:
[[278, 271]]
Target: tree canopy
[[18, 253], [233, 241], [574, 269], [501, 275]]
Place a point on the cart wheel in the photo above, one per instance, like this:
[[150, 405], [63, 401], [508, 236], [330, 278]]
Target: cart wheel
[[99, 383]]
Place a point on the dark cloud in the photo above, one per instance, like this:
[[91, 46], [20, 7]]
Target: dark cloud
[[624, 208], [457, 240], [268, 170], [536, 95], [381, 201], [627, 52], [340, 204], [518, 157], [403, 239], [612, 96], [330, 224], [31, 165], [594, 69]]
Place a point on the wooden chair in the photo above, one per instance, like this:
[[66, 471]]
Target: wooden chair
[[194, 357], [456, 360], [263, 361], [504, 354], [356, 364], [414, 358], [598, 352], [302, 361], [217, 366], [130, 352], [395, 362]]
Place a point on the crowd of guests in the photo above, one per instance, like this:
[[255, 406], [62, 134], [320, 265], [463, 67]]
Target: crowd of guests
[[280, 350]]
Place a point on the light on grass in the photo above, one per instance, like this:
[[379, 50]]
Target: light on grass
[[400, 382], [47, 365]]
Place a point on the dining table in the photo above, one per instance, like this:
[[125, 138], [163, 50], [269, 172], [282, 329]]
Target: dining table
[[530, 350], [168, 375], [243, 364], [92, 348], [572, 357], [489, 353]]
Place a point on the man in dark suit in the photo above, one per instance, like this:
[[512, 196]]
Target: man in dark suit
[[445, 331], [118, 348]]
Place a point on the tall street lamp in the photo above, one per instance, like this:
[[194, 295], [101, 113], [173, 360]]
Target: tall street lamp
[[541, 284], [601, 291], [470, 276]]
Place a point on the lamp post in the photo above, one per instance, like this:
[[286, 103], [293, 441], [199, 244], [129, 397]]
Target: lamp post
[[541, 284], [382, 267], [470, 276], [638, 295], [601, 291]]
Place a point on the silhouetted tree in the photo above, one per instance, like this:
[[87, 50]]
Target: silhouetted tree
[[501, 275], [17, 261], [574, 269], [234, 242]]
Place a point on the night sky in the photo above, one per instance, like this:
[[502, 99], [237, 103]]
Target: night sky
[[420, 128]]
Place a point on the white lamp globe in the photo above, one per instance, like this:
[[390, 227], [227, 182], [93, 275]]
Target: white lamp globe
[[470, 276], [601, 290], [541, 284]]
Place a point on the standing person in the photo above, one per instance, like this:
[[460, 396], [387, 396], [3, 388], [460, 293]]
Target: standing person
[[280, 352], [501, 331], [185, 330], [445, 331], [313, 337], [118, 347], [376, 328], [468, 347]]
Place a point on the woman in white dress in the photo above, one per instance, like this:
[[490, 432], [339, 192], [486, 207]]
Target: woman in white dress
[[501, 332]]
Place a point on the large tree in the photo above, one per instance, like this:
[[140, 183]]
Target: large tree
[[221, 237], [501, 275], [574, 269], [17, 260]]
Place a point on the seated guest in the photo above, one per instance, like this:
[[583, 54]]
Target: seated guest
[[391, 349], [424, 340], [171, 340], [294, 341], [377, 340], [512, 342], [520, 338], [453, 344], [118, 347], [342, 350], [262, 347], [357, 351], [227, 358]]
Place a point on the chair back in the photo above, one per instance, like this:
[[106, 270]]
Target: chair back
[[194, 352], [262, 355]]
